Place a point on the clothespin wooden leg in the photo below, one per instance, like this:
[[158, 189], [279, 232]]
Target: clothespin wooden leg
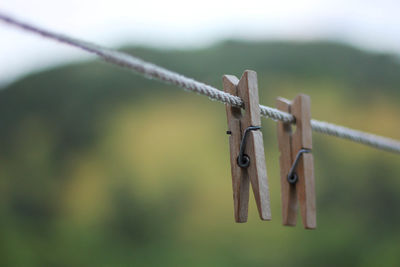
[[302, 139], [248, 91], [292, 146], [245, 129], [240, 179], [288, 191]]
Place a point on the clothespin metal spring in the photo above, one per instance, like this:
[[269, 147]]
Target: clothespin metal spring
[[243, 160], [292, 176]]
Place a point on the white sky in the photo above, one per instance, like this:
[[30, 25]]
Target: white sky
[[174, 23]]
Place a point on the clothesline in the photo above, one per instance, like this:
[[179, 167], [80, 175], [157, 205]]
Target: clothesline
[[153, 71]]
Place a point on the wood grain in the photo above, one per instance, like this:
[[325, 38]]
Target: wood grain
[[288, 191], [240, 180], [257, 171], [302, 138]]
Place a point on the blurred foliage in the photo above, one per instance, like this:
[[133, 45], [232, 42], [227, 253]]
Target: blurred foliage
[[100, 167]]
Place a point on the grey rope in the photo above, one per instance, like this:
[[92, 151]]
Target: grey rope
[[368, 139], [153, 71]]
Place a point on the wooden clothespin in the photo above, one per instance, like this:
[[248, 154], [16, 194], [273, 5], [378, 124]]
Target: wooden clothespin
[[296, 163], [246, 147]]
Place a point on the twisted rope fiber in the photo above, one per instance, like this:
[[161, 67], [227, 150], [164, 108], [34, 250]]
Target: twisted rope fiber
[[153, 71]]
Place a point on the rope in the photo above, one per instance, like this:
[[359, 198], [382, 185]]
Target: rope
[[153, 71], [368, 139]]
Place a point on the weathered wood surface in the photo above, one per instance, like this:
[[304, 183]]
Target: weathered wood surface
[[247, 89], [303, 192]]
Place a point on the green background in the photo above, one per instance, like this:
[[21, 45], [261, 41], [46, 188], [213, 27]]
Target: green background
[[102, 167]]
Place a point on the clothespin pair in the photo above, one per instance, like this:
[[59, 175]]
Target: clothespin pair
[[296, 163], [246, 147], [248, 160]]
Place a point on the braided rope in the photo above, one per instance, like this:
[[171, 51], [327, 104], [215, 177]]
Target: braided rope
[[368, 139], [153, 71]]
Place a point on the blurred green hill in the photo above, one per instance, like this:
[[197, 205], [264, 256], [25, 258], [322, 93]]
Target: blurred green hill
[[101, 167]]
